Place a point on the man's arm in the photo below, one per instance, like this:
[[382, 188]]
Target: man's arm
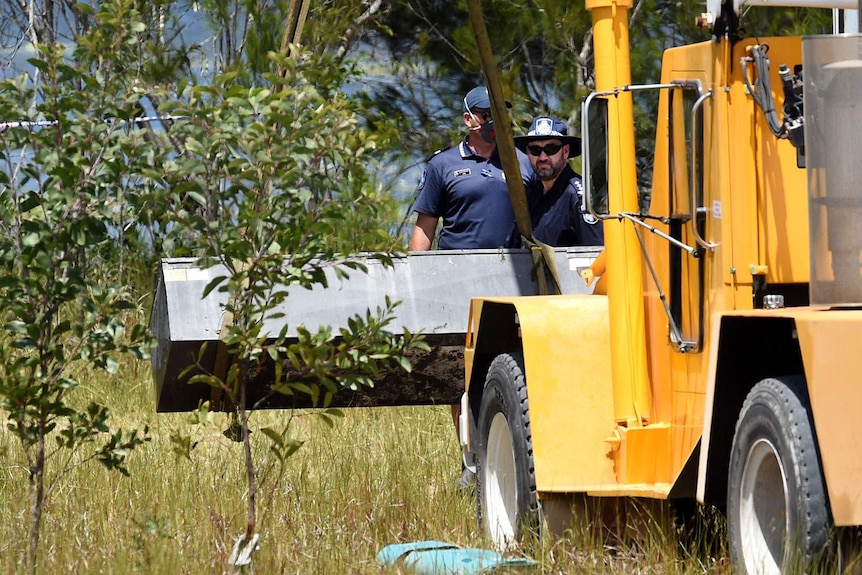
[[423, 233]]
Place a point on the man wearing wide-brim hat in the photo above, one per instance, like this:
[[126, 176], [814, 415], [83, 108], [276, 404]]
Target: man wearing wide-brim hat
[[557, 208]]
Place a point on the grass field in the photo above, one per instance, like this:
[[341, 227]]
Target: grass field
[[379, 476]]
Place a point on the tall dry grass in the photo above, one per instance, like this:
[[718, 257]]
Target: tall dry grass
[[379, 476]]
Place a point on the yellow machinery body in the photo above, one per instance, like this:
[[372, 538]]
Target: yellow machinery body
[[617, 406]]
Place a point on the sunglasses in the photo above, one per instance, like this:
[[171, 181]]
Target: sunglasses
[[485, 116], [549, 149]]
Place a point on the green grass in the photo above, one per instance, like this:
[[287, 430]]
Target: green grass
[[379, 476]]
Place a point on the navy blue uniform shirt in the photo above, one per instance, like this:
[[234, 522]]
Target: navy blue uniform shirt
[[559, 215], [469, 192]]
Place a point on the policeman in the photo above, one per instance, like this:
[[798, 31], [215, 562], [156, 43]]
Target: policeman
[[557, 207], [466, 187]]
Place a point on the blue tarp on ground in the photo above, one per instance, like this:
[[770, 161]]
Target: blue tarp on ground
[[442, 558]]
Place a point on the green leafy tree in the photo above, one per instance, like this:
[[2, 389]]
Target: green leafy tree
[[65, 165], [276, 184], [245, 32], [545, 58], [161, 47]]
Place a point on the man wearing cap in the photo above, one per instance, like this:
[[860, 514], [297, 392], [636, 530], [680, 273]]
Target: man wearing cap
[[466, 187], [557, 207]]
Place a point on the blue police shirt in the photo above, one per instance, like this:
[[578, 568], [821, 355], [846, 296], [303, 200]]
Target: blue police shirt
[[469, 193], [559, 216]]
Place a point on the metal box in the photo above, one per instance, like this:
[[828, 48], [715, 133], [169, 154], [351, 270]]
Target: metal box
[[434, 289]]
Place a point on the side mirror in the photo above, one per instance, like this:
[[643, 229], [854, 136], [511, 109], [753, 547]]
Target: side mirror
[[595, 154]]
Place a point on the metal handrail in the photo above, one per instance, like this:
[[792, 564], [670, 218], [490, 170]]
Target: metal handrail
[[695, 208]]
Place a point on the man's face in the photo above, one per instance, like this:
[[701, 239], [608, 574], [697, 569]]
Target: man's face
[[548, 165]]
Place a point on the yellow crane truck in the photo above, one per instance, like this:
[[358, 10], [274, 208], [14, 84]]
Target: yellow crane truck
[[719, 361]]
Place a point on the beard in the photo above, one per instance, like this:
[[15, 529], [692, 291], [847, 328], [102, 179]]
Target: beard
[[548, 171]]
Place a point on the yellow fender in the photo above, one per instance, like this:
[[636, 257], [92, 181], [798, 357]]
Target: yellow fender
[[566, 345]]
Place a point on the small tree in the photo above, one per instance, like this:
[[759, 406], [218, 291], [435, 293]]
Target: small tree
[[276, 184], [64, 166]]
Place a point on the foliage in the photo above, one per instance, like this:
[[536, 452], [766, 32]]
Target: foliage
[[545, 59], [247, 175], [381, 476], [245, 32], [274, 184], [60, 211], [784, 21], [162, 53]]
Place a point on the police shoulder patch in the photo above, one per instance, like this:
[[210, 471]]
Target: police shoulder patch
[[590, 218], [422, 179]]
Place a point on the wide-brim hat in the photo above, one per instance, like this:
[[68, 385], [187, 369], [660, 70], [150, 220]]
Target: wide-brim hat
[[549, 128]]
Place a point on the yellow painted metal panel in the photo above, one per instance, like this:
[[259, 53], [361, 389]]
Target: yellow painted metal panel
[[679, 379], [754, 192], [644, 456], [687, 427], [741, 195], [782, 193], [830, 345], [649, 490], [567, 359], [754, 197]]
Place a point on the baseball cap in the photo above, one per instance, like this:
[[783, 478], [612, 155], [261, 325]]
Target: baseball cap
[[478, 98]]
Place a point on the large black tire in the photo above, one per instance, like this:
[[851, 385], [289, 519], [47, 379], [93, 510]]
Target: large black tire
[[777, 510], [506, 499]]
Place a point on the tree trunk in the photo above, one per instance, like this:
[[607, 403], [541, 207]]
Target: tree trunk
[[36, 491]]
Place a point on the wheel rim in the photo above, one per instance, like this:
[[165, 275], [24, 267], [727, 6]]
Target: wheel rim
[[500, 493], [763, 508]]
